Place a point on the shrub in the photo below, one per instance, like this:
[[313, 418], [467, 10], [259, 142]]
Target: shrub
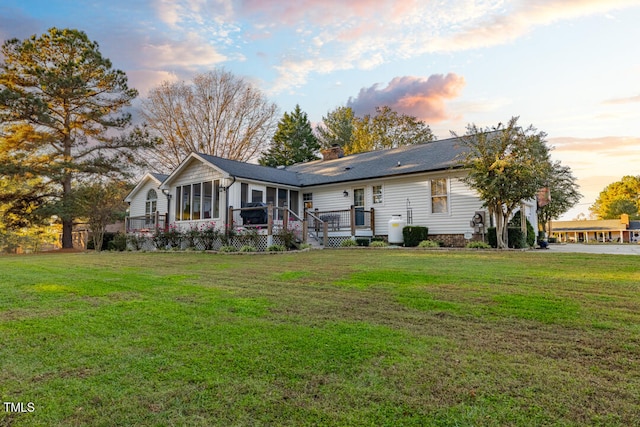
[[516, 239], [192, 237], [107, 238], [362, 241], [348, 243], [414, 234], [248, 248], [531, 234], [171, 238], [277, 248], [228, 248], [428, 244], [290, 236], [379, 244], [136, 241], [478, 245], [248, 236], [118, 242], [209, 235]]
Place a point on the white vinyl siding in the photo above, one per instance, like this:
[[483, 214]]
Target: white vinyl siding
[[138, 206], [196, 195], [462, 202]]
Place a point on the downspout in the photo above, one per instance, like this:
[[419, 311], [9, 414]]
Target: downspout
[[226, 191]]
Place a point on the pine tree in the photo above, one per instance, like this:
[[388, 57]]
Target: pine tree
[[60, 110], [293, 142]]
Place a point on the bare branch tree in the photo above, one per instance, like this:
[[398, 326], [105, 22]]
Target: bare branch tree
[[217, 113]]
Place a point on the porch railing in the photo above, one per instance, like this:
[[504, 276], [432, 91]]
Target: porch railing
[[317, 226], [345, 219], [146, 223], [269, 218]]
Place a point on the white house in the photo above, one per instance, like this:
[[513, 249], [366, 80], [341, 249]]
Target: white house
[[354, 195], [147, 204]]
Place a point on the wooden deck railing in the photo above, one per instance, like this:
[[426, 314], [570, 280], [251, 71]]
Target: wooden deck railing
[[269, 218], [346, 219], [146, 223]]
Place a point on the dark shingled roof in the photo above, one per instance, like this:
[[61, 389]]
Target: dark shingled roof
[[159, 176], [426, 157], [409, 159], [253, 171]]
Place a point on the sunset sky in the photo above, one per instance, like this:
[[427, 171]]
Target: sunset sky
[[570, 68]]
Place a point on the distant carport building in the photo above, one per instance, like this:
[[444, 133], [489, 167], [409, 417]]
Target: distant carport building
[[606, 230]]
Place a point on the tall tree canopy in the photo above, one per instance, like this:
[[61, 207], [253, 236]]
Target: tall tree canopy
[[293, 142], [506, 164], [60, 101], [336, 128], [218, 113], [620, 197], [386, 129], [563, 194]]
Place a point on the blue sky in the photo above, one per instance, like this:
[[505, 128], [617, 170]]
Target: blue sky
[[570, 68]]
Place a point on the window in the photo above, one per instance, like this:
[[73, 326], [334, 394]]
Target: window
[[186, 202], [151, 205], [207, 200], [216, 202], [293, 201], [244, 194], [178, 203], [307, 199], [377, 194], [283, 199], [198, 201], [439, 196], [256, 196]]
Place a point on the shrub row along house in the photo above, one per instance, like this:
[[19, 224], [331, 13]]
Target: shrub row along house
[[336, 198]]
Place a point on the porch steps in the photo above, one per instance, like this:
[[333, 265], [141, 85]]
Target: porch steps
[[315, 244]]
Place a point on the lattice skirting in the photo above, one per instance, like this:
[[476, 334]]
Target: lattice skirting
[[336, 241], [260, 243]]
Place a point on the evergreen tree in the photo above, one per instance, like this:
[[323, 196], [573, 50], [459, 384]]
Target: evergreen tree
[[293, 142], [337, 128], [60, 103]]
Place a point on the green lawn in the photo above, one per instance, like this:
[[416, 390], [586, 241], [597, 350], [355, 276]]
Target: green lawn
[[333, 337]]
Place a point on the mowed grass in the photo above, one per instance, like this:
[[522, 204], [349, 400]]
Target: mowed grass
[[333, 337]]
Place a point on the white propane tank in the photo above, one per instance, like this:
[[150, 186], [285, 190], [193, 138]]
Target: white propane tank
[[396, 224]]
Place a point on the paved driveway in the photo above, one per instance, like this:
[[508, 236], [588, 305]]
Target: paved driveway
[[605, 248]]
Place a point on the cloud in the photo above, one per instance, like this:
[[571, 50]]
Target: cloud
[[503, 26], [421, 97], [364, 34], [144, 80], [618, 101], [625, 147], [187, 53]]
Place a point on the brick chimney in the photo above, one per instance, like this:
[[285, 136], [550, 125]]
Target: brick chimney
[[335, 152]]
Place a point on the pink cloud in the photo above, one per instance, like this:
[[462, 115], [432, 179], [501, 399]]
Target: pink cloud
[[322, 12], [627, 100], [421, 97]]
